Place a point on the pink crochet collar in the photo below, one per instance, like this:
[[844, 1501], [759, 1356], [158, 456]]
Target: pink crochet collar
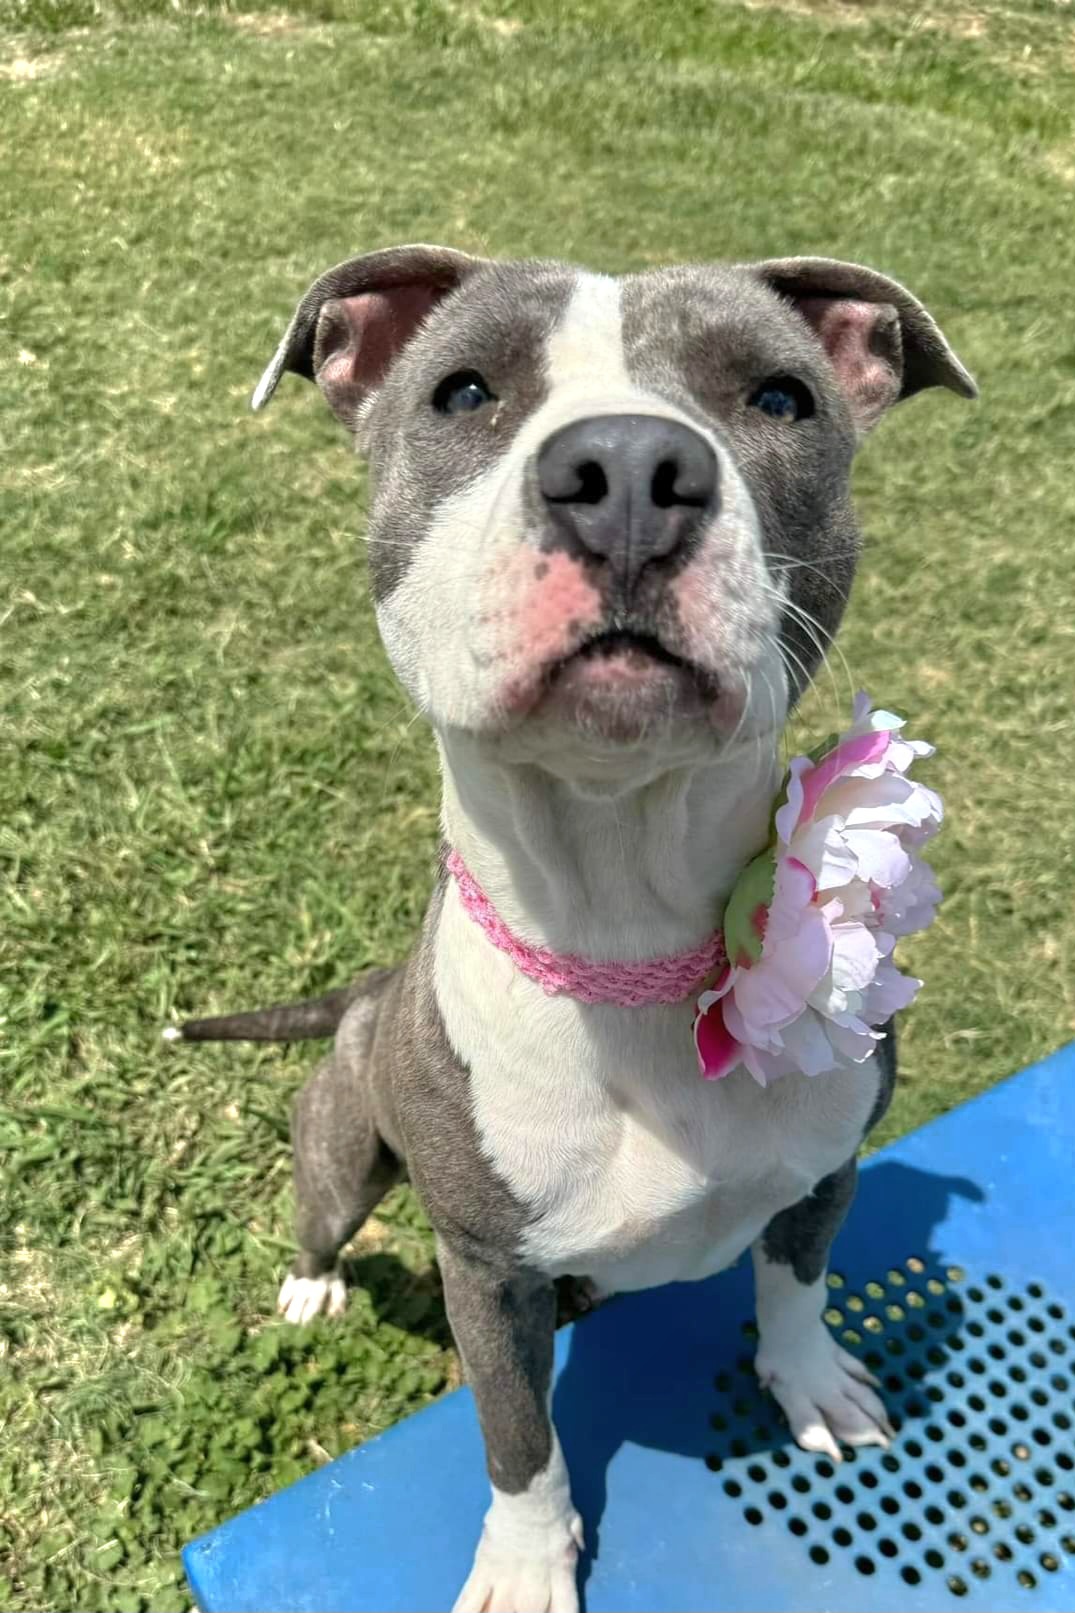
[[627, 984]]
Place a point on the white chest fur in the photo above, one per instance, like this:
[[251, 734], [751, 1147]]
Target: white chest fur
[[634, 1171]]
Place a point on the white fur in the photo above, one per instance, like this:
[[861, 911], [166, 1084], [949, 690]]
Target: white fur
[[825, 1393], [635, 1170], [302, 1298], [526, 1557]]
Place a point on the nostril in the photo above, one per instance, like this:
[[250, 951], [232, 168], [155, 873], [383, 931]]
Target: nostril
[[672, 486], [593, 484], [590, 484], [663, 486]]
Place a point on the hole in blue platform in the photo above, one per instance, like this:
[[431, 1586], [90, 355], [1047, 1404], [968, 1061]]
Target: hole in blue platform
[[967, 1480]]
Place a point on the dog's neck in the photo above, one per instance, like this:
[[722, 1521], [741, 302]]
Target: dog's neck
[[641, 873]]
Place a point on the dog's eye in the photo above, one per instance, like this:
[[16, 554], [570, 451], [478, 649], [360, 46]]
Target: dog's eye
[[462, 393], [785, 398]]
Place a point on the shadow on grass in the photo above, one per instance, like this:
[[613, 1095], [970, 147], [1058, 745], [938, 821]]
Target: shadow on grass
[[411, 1301]]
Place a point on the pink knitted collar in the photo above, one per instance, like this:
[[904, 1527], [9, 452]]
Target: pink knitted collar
[[627, 984]]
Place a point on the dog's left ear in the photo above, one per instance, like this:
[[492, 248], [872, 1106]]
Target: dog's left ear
[[881, 341], [356, 319]]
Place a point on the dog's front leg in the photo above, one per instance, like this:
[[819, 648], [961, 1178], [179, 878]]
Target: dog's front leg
[[824, 1392], [503, 1325]]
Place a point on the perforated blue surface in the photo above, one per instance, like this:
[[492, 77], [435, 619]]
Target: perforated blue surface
[[954, 1278]]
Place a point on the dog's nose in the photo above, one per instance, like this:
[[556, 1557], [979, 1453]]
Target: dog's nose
[[631, 489]]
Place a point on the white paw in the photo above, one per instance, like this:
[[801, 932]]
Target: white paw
[[538, 1577], [825, 1394], [302, 1298]]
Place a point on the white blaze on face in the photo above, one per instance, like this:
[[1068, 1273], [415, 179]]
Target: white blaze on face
[[481, 611]]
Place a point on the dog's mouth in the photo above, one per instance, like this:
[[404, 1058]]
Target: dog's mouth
[[635, 651], [623, 681]]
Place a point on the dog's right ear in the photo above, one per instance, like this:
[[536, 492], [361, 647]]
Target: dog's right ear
[[356, 319]]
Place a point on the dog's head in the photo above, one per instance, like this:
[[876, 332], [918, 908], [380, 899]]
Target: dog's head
[[610, 516]]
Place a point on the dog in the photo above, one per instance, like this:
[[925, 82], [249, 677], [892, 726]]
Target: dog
[[610, 538]]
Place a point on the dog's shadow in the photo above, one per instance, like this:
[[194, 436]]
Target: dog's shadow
[[614, 1390], [412, 1301]]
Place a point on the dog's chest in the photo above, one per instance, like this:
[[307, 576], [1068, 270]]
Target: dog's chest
[[631, 1169]]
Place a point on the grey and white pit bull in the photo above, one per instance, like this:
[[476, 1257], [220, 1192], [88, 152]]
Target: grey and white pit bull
[[610, 535]]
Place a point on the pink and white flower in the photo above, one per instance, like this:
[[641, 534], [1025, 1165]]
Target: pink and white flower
[[812, 922]]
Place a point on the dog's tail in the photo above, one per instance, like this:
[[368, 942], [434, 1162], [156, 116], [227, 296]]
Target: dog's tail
[[283, 1022]]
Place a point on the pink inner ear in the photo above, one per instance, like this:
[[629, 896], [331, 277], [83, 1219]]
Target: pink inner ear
[[361, 336], [863, 342]]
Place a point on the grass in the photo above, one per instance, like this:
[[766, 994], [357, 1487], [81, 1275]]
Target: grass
[[211, 793]]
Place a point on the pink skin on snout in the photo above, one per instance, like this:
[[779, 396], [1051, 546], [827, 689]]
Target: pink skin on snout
[[553, 607]]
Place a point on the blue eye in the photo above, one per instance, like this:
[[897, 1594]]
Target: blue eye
[[784, 398], [462, 393]]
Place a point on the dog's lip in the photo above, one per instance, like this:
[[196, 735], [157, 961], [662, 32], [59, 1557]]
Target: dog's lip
[[612, 641]]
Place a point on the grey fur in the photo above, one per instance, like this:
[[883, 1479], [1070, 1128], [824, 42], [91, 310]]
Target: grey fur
[[503, 1327], [802, 1235], [497, 324], [706, 335], [886, 1086], [285, 1022], [393, 1096], [343, 1167]]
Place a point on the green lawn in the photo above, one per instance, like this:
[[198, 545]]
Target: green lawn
[[211, 793]]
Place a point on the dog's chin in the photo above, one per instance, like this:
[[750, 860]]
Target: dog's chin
[[620, 692], [620, 688]]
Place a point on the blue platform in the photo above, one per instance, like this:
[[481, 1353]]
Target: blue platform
[[954, 1278]]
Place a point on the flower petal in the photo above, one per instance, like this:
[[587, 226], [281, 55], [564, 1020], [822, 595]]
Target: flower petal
[[787, 816], [718, 1051], [808, 1045], [849, 754], [879, 856]]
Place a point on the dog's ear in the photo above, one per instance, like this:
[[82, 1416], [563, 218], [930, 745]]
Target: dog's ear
[[356, 319], [881, 342]]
